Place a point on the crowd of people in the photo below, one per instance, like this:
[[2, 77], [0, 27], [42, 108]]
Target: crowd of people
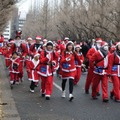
[[43, 58]]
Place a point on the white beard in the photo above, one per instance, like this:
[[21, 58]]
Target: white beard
[[18, 42]]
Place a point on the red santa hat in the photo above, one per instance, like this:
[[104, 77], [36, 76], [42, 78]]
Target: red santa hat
[[38, 38], [78, 46], [29, 38], [58, 41], [44, 40], [99, 40], [36, 54], [103, 43]]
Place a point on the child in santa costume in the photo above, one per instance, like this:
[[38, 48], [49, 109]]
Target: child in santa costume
[[78, 66], [20, 48], [14, 69], [48, 60], [68, 68], [32, 69], [6, 52], [99, 62], [114, 72]]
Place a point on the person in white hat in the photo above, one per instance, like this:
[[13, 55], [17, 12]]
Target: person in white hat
[[28, 45], [90, 74], [49, 60], [114, 72], [32, 69], [68, 69], [99, 62], [78, 64]]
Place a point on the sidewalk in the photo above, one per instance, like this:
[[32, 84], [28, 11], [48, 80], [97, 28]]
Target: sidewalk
[[8, 110]]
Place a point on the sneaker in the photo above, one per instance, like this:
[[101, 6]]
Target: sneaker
[[63, 94], [71, 97], [32, 91]]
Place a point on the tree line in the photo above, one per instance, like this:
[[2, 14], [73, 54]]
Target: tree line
[[76, 19]]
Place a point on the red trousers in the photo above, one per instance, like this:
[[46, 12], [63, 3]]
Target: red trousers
[[78, 75], [14, 77], [104, 82], [47, 85], [116, 87], [7, 62], [89, 80], [21, 69]]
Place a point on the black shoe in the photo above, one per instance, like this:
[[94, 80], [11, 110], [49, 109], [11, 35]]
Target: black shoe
[[94, 98], [14, 82], [87, 91], [118, 101], [47, 98], [105, 100], [43, 95], [98, 94], [11, 86], [111, 96]]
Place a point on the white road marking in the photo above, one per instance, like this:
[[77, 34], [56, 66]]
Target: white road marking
[[57, 86]]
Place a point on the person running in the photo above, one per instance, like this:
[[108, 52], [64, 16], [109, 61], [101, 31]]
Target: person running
[[68, 68]]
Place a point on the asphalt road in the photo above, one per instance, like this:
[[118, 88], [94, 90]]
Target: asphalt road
[[31, 106]]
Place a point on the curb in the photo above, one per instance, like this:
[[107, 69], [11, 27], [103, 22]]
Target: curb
[[9, 110]]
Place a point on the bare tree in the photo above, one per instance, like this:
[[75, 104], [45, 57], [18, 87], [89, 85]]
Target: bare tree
[[78, 19], [6, 7]]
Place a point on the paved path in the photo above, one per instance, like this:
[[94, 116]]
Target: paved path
[[34, 107]]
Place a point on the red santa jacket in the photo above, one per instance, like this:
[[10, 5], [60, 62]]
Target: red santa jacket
[[1, 43], [48, 63], [81, 58], [6, 52], [114, 64], [67, 64], [35, 48], [91, 52], [32, 69], [99, 63], [14, 65], [21, 50]]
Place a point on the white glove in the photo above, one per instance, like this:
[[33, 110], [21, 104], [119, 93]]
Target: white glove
[[53, 63]]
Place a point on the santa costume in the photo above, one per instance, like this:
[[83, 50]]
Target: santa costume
[[48, 60], [78, 66], [68, 68], [114, 72], [32, 69], [99, 62], [90, 74]]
